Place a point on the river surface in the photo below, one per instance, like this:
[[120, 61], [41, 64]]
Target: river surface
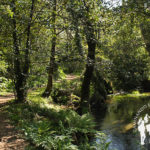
[[127, 123]]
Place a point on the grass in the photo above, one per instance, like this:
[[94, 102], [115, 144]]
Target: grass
[[4, 92], [130, 96], [49, 126], [52, 127]]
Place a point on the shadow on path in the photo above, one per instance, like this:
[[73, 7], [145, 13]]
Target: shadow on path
[[9, 137]]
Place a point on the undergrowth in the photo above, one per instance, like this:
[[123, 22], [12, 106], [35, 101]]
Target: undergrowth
[[51, 127]]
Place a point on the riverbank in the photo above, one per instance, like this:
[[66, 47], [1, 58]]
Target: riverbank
[[46, 125]]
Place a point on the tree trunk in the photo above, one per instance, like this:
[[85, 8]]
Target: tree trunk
[[20, 74], [27, 50], [85, 89], [78, 41], [49, 87], [18, 77]]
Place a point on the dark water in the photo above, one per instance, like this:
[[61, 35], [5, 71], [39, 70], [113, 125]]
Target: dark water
[[127, 123]]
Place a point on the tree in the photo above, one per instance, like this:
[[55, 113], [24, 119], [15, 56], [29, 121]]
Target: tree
[[91, 41], [142, 10], [123, 46], [49, 87], [83, 11], [21, 72]]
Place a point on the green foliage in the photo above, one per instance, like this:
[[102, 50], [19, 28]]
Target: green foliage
[[101, 142], [133, 96], [130, 74], [51, 128], [64, 90], [72, 61], [3, 66], [5, 84], [135, 92], [43, 135], [127, 62], [59, 74]]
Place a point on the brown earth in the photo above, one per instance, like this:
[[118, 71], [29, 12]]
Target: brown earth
[[9, 137]]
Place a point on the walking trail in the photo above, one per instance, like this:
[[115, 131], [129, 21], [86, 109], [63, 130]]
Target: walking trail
[[9, 137]]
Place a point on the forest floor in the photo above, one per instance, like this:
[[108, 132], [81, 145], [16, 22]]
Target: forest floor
[[9, 137]]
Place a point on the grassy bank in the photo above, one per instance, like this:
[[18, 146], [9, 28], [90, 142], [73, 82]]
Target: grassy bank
[[49, 126], [129, 96]]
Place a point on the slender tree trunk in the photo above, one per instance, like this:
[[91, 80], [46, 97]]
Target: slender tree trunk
[[49, 87], [27, 50], [78, 41], [20, 74], [85, 89]]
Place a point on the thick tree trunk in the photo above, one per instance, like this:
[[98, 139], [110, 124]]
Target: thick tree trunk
[[18, 77], [85, 89], [49, 87], [20, 74]]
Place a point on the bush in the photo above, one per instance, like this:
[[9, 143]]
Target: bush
[[63, 91], [5, 84]]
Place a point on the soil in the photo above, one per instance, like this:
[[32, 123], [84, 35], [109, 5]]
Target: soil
[[9, 137]]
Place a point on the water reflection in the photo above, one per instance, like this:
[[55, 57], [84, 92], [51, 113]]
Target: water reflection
[[118, 124]]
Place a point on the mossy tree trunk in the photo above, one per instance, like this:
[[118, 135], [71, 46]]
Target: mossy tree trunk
[[49, 87], [18, 77], [85, 89], [21, 73]]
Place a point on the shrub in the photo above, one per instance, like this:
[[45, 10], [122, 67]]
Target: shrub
[[5, 84], [52, 129]]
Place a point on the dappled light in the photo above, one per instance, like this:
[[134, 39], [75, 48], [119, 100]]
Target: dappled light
[[74, 75]]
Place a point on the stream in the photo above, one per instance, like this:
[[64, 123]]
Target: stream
[[127, 124]]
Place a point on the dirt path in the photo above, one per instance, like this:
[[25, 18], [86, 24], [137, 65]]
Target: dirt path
[[69, 77], [9, 137]]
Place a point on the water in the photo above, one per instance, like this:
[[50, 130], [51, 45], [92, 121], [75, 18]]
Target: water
[[127, 123]]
